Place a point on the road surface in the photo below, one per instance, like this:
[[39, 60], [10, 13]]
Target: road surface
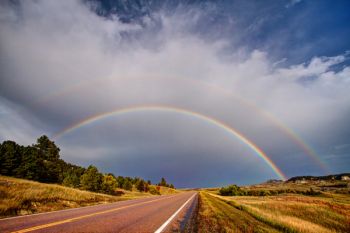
[[153, 214]]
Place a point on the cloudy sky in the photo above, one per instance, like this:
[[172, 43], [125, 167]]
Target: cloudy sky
[[277, 72]]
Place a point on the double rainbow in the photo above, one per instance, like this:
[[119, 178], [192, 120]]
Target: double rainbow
[[185, 112], [297, 139]]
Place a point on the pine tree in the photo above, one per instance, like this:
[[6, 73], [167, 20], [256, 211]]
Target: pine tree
[[48, 149], [49, 153], [71, 179], [91, 179], [10, 158], [109, 184], [140, 185], [31, 166], [163, 182], [127, 185]]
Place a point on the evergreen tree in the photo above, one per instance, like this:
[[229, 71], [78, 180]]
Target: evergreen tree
[[146, 189], [49, 153], [10, 158], [91, 179], [71, 179], [41, 162], [136, 180], [127, 185], [163, 182], [140, 185], [31, 166], [48, 149], [109, 184], [120, 181]]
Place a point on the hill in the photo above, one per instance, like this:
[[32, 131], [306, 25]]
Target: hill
[[20, 197], [41, 162], [342, 176]]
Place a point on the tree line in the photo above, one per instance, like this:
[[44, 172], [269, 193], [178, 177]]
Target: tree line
[[41, 162], [234, 190]]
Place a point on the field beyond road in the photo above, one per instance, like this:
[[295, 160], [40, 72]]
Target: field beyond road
[[318, 206]]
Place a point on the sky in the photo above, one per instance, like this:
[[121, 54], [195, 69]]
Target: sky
[[203, 93]]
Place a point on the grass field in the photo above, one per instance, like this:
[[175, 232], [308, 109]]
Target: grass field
[[327, 187], [216, 215], [283, 213], [328, 211], [20, 197], [167, 191]]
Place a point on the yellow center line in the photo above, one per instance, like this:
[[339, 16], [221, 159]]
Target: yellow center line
[[83, 216]]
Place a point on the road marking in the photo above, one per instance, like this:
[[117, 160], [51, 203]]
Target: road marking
[[84, 216], [72, 209], [162, 227]]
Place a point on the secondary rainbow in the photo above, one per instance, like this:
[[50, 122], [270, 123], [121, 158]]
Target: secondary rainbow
[[283, 127], [280, 125], [186, 112], [297, 139]]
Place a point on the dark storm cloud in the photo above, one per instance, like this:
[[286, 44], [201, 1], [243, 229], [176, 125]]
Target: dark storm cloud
[[234, 61]]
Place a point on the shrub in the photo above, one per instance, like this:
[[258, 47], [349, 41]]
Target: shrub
[[109, 184], [153, 190], [127, 185], [231, 190], [91, 179]]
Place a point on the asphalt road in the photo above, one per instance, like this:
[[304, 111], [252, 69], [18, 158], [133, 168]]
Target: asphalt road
[[154, 214]]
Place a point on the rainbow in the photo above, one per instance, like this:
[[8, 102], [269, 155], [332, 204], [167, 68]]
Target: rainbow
[[297, 139], [267, 115], [197, 115]]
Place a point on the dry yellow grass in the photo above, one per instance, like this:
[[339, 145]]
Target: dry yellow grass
[[297, 213], [215, 215], [167, 191], [329, 186], [19, 197]]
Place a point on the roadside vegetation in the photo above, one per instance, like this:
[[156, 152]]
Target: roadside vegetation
[[41, 162], [234, 190], [63, 185], [216, 215], [296, 213], [19, 197], [297, 205], [282, 213]]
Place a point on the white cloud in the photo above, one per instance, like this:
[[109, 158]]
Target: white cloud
[[15, 127], [63, 62]]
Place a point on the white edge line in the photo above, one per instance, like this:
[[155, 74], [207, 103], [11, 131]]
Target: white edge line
[[162, 227]]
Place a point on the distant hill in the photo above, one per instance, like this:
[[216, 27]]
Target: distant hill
[[342, 176], [273, 181]]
